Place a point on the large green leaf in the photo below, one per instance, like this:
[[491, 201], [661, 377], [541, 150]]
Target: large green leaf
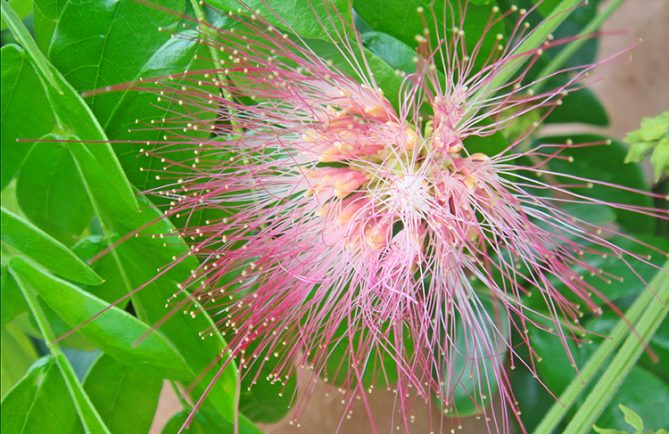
[[18, 353], [40, 403], [624, 277], [384, 75], [115, 331], [313, 19], [573, 25], [45, 18], [50, 192], [87, 413], [605, 164], [11, 300], [401, 19], [533, 398], [645, 394], [393, 51], [114, 287], [126, 398], [263, 400], [114, 41], [207, 423], [580, 106], [23, 9], [25, 113], [48, 252]]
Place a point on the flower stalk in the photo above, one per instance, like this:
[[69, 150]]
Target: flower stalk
[[645, 314]]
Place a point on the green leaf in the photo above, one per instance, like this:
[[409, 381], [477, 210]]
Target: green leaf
[[643, 393], [88, 415], [11, 302], [604, 163], [660, 159], [489, 145], [45, 18], [573, 25], [652, 137], [533, 398], [25, 112], [40, 403], [115, 331], [400, 19], [18, 354], [73, 118], [138, 258], [632, 418], [385, 76], [115, 41], [207, 423], [262, 400], [126, 398], [308, 19], [624, 277], [48, 252], [607, 431], [113, 288], [393, 51], [581, 106], [50, 192]]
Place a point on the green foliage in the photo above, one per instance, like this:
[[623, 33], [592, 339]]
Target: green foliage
[[18, 354], [309, 20], [40, 402], [651, 139], [126, 397], [50, 192], [632, 419], [581, 106], [45, 250], [21, 94], [114, 331], [589, 162]]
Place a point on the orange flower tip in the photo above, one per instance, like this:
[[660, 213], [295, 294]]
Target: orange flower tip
[[454, 149], [470, 182], [479, 156], [376, 111]]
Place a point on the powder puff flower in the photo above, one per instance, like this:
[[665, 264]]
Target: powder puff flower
[[366, 240]]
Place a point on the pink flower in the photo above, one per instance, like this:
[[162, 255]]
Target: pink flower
[[349, 222]]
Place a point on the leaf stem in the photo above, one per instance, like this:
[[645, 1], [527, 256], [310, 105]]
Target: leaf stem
[[626, 358], [636, 313]]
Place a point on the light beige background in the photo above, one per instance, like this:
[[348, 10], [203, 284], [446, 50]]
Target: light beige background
[[633, 86]]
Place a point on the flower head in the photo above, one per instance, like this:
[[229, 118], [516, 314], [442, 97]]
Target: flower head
[[348, 225]]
